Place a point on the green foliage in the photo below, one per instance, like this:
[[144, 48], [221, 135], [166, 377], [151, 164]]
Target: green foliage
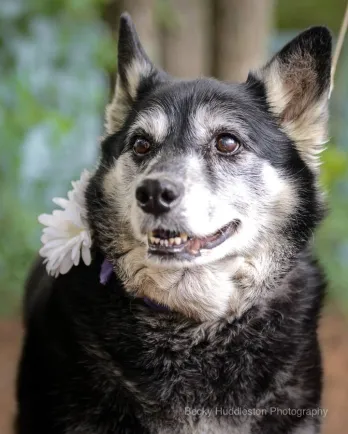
[[332, 238], [335, 165], [52, 94], [300, 14]]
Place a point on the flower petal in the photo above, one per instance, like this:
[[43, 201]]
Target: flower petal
[[86, 255], [60, 201], [87, 241], [76, 253], [53, 243], [66, 264], [46, 219]]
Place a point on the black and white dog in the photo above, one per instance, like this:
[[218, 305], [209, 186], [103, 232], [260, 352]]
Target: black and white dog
[[205, 201]]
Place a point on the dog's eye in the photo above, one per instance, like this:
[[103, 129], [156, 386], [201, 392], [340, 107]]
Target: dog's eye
[[227, 144], [141, 146]]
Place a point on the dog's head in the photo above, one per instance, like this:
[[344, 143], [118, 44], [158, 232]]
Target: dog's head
[[203, 175]]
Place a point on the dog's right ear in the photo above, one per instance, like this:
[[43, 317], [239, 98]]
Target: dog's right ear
[[134, 70]]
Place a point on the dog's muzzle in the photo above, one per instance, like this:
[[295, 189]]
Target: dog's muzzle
[[167, 236]]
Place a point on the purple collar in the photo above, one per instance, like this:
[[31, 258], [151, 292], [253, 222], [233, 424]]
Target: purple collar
[[105, 275], [105, 272]]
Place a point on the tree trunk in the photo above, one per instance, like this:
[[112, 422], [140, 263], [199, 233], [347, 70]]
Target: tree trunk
[[187, 38], [241, 30]]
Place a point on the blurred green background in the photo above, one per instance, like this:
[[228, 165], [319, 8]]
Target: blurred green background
[[57, 60]]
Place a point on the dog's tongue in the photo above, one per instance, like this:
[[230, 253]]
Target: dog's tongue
[[194, 246]]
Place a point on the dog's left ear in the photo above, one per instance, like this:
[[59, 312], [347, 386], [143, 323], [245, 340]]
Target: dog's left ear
[[134, 71], [297, 82]]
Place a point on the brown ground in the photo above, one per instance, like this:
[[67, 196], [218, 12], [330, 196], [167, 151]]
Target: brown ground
[[334, 339]]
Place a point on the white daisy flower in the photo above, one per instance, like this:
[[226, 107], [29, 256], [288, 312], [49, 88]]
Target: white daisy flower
[[67, 236]]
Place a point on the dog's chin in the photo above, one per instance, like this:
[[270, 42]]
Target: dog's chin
[[169, 247]]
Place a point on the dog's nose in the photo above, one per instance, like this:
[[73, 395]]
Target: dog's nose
[[157, 196]]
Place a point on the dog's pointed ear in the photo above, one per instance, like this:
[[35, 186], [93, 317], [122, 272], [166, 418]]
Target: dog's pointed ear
[[134, 70], [297, 82]]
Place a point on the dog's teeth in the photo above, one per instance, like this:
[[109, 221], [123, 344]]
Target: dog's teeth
[[183, 237], [168, 240]]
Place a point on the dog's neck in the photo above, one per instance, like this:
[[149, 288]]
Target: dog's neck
[[226, 287], [106, 272]]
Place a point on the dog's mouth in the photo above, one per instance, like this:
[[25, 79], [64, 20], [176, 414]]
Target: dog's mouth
[[169, 243]]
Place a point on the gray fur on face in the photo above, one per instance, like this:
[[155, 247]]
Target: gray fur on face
[[252, 192]]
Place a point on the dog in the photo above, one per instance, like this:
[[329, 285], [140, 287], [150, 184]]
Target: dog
[[204, 201]]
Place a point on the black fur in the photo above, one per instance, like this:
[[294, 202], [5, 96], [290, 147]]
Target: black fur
[[84, 339]]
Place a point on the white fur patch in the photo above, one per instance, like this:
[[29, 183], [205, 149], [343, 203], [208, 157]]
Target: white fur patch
[[154, 122], [206, 120], [281, 193], [200, 292]]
